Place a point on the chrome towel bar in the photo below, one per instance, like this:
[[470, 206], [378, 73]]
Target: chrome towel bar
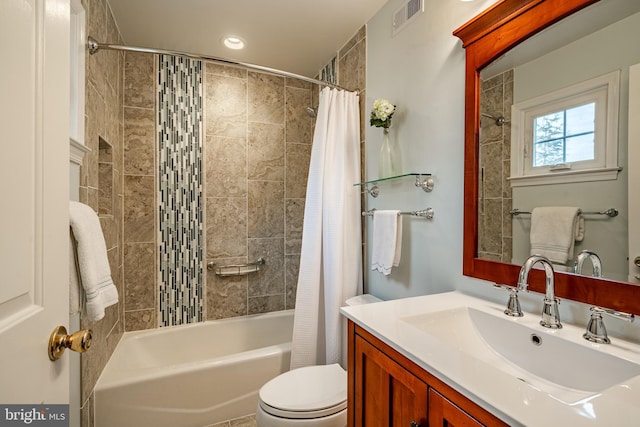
[[612, 212], [423, 213]]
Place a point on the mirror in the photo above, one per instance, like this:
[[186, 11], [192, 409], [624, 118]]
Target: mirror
[[575, 50], [499, 43]]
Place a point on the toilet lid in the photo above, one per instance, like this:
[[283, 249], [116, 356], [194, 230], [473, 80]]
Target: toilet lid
[[307, 392]]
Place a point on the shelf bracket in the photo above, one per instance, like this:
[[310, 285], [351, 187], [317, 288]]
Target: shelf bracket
[[426, 184]]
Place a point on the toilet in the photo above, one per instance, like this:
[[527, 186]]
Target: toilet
[[310, 396]]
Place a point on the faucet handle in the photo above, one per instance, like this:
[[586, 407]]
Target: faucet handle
[[513, 305], [596, 332]]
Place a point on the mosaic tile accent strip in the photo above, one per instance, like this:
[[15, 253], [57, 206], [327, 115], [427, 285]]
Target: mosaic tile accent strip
[[330, 71], [180, 190]]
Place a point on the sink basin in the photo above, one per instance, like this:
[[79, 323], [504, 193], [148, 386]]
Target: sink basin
[[567, 370]]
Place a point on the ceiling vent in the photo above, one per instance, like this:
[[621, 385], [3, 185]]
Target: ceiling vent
[[406, 13]]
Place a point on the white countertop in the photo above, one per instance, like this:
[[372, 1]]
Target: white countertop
[[504, 395]]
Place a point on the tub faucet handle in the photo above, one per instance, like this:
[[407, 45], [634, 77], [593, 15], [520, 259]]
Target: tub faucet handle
[[513, 305]]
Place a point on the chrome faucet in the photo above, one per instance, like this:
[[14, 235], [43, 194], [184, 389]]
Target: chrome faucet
[[596, 332], [550, 313], [595, 262]]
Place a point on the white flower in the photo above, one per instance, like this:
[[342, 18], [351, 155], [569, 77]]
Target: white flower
[[381, 113]]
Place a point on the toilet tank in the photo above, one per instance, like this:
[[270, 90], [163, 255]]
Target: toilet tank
[[357, 300], [361, 299]]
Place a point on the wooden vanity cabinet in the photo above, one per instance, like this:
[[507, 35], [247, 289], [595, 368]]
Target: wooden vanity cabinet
[[387, 389]]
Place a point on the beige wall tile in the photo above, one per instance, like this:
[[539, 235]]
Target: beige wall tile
[[297, 83], [226, 107], [352, 67], [226, 296], [139, 141], [266, 152], [270, 279], [357, 38], [266, 304], [105, 188], [97, 28], [225, 70], [139, 276], [110, 231], [140, 319], [297, 166], [139, 209], [225, 162], [265, 98], [291, 270], [226, 232], [299, 123], [139, 88], [294, 220], [266, 209]]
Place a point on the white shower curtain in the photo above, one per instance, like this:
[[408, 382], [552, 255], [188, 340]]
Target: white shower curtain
[[330, 259]]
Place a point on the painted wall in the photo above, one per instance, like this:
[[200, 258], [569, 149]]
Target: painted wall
[[421, 70]]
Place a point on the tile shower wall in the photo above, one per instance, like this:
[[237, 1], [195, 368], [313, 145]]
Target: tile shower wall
[[257, 150], [495, 223], [101, 184], [180, 176], [140, 252]]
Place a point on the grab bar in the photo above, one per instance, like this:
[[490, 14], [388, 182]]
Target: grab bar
[[423, 213], [235, 269], [608, 212]]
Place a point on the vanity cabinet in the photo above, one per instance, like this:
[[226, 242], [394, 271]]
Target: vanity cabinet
[[387, 389]]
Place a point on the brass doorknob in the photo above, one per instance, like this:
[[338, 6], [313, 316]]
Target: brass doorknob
[[636, 261], [79, 341]]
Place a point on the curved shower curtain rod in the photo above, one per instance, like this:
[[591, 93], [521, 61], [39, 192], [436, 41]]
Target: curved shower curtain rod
[[93, 46]]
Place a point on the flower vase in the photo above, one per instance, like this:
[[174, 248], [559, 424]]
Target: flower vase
[[389, 158]]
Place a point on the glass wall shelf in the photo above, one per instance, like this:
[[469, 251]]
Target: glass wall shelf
[[423, 180]]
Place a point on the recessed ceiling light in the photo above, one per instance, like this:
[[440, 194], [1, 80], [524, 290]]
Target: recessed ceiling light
[[233, 42]]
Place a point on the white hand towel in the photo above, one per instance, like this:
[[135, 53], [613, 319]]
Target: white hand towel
[[95, 274], [387, 241], [554, 230]]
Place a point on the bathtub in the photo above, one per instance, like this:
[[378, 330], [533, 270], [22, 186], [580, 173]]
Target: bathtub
[[193, 375]]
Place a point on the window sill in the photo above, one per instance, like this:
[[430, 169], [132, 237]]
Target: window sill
[[565, 177]]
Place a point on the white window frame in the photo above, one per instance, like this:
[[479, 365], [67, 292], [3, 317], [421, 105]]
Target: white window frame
[[605, 92], [77, 52]]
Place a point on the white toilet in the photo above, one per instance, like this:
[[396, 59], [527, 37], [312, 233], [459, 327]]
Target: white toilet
[[311, 396]]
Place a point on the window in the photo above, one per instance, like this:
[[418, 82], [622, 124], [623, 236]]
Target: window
[[567, 136]]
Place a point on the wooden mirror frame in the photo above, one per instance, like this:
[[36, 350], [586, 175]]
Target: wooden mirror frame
[[485, 38]]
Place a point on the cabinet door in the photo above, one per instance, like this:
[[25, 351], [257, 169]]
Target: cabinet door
[[386, 393], [443, 413]]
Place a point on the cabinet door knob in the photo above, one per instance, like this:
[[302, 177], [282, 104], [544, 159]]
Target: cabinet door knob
[[414, 424]]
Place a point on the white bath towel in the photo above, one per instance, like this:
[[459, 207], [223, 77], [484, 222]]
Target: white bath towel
[[554, 230], [387, 241], [95, 273], [74, 284]]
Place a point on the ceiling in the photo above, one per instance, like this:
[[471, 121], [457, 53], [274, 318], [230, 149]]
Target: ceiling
[[298, 36]]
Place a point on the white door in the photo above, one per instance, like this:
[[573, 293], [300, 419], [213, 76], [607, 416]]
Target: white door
[[34, 187], [634, 173]]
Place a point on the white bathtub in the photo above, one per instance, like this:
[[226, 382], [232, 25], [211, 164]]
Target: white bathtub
[[193, 375]]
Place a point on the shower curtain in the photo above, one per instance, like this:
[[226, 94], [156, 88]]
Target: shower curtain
[[331, 253]]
